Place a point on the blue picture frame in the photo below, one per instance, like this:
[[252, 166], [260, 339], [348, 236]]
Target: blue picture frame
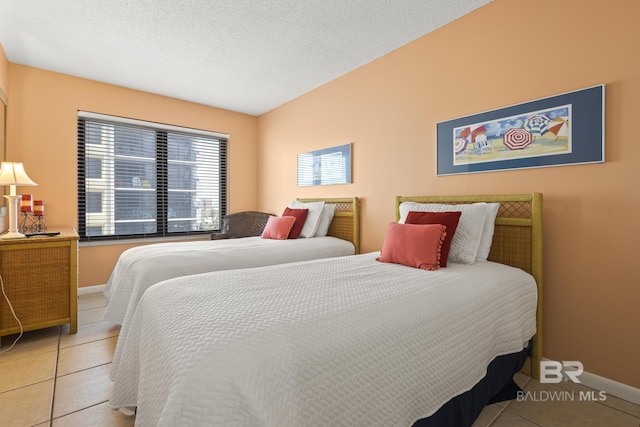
[[325, 167], [560, 130]]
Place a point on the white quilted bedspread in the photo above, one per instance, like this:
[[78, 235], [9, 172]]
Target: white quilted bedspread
[[337, 342], [143, 266]]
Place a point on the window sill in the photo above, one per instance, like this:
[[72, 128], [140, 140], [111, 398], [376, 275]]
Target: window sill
[[145, 240]]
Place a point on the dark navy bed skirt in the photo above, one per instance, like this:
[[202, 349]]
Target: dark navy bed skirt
[[496, 386]]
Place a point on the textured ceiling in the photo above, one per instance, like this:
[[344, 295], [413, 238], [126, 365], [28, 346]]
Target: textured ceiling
[[247, 56]]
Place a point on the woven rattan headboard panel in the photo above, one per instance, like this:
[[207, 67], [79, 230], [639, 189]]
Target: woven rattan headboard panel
[[517, 241], [346, 219]]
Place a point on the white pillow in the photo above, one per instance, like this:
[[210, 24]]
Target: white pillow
[[466, 240], [325, 220], [313, 217], [487, 231]]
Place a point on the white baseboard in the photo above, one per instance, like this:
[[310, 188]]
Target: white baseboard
[[95, 289], [614, 388]]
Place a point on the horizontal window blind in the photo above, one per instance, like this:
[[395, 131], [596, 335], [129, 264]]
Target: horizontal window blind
[[142, 179]]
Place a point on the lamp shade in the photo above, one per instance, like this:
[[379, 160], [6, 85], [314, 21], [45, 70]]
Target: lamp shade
[[12, 173]]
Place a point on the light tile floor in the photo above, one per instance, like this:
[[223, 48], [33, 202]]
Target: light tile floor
[[52, 378]]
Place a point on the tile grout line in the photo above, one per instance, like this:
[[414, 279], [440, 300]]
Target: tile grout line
[[55, 379], [524, 418], [55, 373], [494, 419]]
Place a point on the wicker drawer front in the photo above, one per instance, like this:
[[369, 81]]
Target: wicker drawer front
[[40, 277], [37, 284]]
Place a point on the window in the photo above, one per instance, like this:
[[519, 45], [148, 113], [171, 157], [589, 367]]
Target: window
[[140, 179]]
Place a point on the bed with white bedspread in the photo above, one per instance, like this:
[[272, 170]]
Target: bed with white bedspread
[[348, 341], [140, 267]]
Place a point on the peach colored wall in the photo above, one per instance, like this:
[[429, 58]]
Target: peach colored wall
[[42, 134], [4, 71], [504, 53], [4, 83]]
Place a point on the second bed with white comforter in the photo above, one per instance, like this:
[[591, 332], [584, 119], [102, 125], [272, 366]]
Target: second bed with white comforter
[[343, 342], [141, 267]]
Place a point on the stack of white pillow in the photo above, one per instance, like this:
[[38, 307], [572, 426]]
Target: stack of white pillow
[[473, 237], [318, 219]]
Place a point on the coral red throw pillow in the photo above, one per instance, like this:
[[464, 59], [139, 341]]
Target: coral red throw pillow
[[448, 219], [278, 227], [300, 216], [413, 245]]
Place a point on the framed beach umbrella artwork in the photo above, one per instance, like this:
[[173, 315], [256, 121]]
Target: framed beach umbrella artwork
[[563, 129]]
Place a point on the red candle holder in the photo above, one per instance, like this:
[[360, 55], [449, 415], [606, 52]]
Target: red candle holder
[[25, 204], [32, 220], [38, 208]]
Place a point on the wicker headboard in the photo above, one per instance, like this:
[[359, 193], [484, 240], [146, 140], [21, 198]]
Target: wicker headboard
[[346, 219], [517, 241]]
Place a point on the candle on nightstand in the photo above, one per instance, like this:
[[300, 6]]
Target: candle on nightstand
[[26, 203], [38, 208]]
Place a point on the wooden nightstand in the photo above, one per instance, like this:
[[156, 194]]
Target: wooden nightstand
[[40, 276]]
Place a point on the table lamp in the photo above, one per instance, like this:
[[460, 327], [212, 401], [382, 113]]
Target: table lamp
[[13, 174]]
